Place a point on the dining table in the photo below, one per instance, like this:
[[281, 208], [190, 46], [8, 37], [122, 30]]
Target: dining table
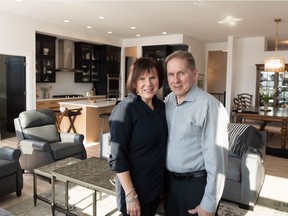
[[272, 114]]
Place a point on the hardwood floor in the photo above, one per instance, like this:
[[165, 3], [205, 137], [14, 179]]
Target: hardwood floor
[[275, 184]]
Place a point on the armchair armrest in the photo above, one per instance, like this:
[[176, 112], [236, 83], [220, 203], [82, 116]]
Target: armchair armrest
[[71, 137], [253, 174], [35, 144], [11, 154]]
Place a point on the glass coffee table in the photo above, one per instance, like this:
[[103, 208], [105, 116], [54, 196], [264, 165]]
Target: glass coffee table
[[92, 173]]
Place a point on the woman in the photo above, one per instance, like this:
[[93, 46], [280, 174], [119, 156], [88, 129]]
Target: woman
[[138, 141]]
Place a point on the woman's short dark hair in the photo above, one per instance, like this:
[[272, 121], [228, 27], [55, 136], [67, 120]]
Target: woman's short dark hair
[[141, 66]]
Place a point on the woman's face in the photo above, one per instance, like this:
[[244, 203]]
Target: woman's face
[[147, 85]]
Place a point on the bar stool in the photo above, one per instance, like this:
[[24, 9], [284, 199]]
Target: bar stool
[[104, 117], [70, 113]]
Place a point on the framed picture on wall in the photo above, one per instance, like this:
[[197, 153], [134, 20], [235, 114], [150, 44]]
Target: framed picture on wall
[[200, 81]]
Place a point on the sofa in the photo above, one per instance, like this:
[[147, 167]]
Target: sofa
[[246, 170], [11, 177]]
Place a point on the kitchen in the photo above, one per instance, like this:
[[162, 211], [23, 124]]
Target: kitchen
[[77, 72]]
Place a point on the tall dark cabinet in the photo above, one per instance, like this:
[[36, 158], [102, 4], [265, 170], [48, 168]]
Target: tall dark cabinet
[[159, 53], [110, 71], [270, 81], [45, 58]]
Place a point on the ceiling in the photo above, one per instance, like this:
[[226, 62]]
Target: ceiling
[[197, 19]]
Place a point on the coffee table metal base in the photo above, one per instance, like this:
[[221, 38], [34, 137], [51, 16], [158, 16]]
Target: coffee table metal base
[[45, 171], [92, 173]]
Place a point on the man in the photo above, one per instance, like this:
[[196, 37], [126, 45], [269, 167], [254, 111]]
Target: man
[[197, 143]]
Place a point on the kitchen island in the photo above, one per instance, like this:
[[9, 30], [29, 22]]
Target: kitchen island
[[88, 123]]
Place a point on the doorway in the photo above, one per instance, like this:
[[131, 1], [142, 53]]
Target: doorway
[[12, 92], [216, 75]]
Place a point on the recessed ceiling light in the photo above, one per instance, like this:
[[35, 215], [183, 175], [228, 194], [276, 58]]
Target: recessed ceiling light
[[66, 21], [101, 17], [133, 27], [229, 21], [164, 33], [88, 27], [109, 32], [138, 35], [18, 0]]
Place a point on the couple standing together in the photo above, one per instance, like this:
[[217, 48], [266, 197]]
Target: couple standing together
[[176, 150]]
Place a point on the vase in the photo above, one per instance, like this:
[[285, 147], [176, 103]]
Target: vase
[[265, 108]]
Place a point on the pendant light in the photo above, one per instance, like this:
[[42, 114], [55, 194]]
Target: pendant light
[[275, 63]]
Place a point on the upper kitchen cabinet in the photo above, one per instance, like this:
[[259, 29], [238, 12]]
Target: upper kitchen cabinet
[[87, 62], [110, 59], [45, 58], [157, 53], [160, 52], [271, 82]]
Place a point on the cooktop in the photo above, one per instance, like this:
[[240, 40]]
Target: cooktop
[[67, 96]]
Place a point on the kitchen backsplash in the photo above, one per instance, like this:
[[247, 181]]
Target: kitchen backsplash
[[64, 85]]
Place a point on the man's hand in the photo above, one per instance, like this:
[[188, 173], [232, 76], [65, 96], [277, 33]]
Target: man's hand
[[201, 212]]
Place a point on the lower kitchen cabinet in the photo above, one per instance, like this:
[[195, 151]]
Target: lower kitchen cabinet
[[47, 104]]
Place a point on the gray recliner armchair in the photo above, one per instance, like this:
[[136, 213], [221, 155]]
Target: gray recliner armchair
[[41, 143], [11, 177], [246, 170]]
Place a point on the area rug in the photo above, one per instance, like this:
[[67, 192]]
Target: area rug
[[81, 199], [80, 203]]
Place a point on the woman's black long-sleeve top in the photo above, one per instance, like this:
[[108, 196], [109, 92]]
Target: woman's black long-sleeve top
[[138, 144]]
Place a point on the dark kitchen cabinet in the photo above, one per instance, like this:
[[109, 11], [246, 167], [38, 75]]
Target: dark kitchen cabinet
[[109, 67], [87, 58], [45, 58], [95, 62], [159, 53]]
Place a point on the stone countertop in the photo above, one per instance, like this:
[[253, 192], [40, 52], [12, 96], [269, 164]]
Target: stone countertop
[[87, 103], [73, 98]]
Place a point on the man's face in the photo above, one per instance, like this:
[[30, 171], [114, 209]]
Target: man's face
[[180, 77]]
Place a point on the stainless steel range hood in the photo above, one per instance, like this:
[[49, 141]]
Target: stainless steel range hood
[[65, 56]]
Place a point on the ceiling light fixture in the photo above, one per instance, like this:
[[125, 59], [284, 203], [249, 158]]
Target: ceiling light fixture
[[101, 17], [229, 21], [138, 35], [89, 27], [164, 33], [133, 27], [109, 32], [275, 63], [66, 21]]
